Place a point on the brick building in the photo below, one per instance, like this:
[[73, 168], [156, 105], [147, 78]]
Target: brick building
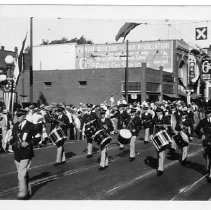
[[99, 72]]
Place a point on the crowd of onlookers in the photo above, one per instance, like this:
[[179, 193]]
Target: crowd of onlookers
[[45, 115]]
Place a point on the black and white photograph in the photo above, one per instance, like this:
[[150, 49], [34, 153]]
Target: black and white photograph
[[105, 102]]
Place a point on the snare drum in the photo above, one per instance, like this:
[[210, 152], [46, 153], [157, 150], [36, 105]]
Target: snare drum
[[102, 138], [181, 140], [161, 140], [124, 136], [90, 129], [57, 135]]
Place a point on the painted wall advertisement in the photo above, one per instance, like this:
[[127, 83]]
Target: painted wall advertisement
[[153, 53]]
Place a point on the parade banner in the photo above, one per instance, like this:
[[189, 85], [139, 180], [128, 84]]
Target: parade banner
[[99, 56]]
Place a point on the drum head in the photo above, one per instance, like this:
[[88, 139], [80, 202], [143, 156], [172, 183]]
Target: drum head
[[125, 133]]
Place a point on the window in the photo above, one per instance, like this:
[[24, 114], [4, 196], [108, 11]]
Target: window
[[82, 83], [132, 86], [47, 84]]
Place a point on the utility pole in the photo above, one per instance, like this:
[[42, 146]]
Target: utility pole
[[126, 73], [31, 60]]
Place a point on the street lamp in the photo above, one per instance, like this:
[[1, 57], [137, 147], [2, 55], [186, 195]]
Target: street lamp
[[9, 101]]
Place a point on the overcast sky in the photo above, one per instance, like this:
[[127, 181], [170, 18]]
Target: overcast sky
[[101, 23]]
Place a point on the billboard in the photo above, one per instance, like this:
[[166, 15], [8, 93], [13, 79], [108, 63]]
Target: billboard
[[54, 57], [153, 53]]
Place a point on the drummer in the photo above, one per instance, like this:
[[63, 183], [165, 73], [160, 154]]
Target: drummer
[[62, 121], [89, 116], [160, 121], [147, 123], [123, 119], [185, 125], [106, 124], [134, 126]]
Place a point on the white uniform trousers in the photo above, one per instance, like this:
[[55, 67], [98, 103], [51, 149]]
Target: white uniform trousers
[[89, 148], [132, 146], [184, 152], [146, 134], [24, 187], [104, 157], [60, 154], [161, 159]]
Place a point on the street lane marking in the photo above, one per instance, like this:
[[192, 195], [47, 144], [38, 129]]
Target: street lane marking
[[70, 172], [131, 182], [51, 163], [56, 176], [188, 189]]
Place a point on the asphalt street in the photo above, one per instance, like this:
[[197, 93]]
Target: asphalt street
[[80, 178]]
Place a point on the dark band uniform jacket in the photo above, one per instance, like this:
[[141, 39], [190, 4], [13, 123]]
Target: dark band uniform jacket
[[20, 130], [178, 117], [161, 122], [64, 122], [135, 125], [87, 118], [106, 124], [204, 127], [123, 119], [147, 120]]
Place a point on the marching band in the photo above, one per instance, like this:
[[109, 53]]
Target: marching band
[[168, 125]]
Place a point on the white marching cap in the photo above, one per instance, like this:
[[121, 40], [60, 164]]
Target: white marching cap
[[144, 103]]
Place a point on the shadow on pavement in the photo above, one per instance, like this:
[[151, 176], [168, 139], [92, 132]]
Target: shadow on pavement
[[69, 154], [151, 161], [35, 188], [196, 166], [124, 153], [40, 176], [174, 156]]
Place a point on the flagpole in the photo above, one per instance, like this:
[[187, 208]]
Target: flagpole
[[126, 73], [31, 60]]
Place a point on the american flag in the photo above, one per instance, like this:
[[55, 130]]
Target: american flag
[[8, 86], [19, 63]]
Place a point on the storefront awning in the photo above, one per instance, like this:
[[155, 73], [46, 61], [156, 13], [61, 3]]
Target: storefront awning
[[172, 95]]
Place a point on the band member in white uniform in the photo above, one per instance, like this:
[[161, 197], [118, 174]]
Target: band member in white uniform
[[22, 145], [161, 122], [123, 120], [62, 121], [203, 130], [134, 126], [146, 122], [106, 124], [87, 123]]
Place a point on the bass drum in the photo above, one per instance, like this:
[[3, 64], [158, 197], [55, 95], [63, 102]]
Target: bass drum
[[124, 136], [102, 138], [89, 129]]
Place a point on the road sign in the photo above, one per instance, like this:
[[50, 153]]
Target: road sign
[[201, 33]]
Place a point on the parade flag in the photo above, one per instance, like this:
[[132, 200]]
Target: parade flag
[[125, 30], [19, 62]]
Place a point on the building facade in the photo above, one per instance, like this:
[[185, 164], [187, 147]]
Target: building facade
[[95, 72]]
